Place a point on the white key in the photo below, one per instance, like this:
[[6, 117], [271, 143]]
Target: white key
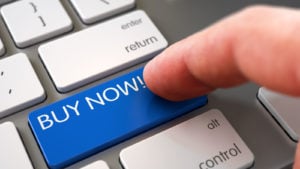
[[91, 11], [205, 141], [85, 56], [96, 165], [2, 50], [12, 152], [32, 21], [284, 108], [20, 87]]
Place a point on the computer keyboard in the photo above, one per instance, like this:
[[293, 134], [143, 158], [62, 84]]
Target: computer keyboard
[[72, 92]]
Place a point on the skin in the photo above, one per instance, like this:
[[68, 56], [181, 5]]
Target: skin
[[259, 44]]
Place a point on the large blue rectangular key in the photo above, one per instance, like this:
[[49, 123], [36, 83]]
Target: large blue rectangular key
[[90, 121]]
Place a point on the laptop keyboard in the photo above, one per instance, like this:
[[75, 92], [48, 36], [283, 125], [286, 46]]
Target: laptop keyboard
[[72, 95]]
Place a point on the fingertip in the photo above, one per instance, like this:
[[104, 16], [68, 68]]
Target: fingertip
[[147, 73], [155, 76], [151, 74], [167, 76]]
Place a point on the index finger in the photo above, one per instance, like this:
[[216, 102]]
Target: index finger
[[257, 44]]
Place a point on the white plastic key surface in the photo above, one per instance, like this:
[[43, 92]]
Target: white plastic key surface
[[284, 108], [96, 165], [91, 11], [20, 86], [12, 152], [32, 21], [205, 141], [85, 56]]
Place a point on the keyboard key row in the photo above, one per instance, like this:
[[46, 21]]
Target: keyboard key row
[[45, 19], [20, 86], [92, 120], [108, 47], [91, 11], [205, 141]]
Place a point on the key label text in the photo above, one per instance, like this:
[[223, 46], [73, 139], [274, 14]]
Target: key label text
[[100, 98]]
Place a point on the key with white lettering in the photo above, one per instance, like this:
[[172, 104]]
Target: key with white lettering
[[205, 141], [12, 152], [96, 165], [91, 11], [32, 21], [102, 116], [20, 86], [285, 109], [103, 49]]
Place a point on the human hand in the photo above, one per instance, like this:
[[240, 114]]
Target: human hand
[[259, 43]]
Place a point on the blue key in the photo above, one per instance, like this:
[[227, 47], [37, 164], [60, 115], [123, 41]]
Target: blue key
[[90, 121]]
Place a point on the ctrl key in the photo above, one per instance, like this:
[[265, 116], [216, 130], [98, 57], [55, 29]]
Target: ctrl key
[[203, 142]]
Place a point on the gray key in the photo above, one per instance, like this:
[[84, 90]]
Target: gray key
[[285, 109]]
